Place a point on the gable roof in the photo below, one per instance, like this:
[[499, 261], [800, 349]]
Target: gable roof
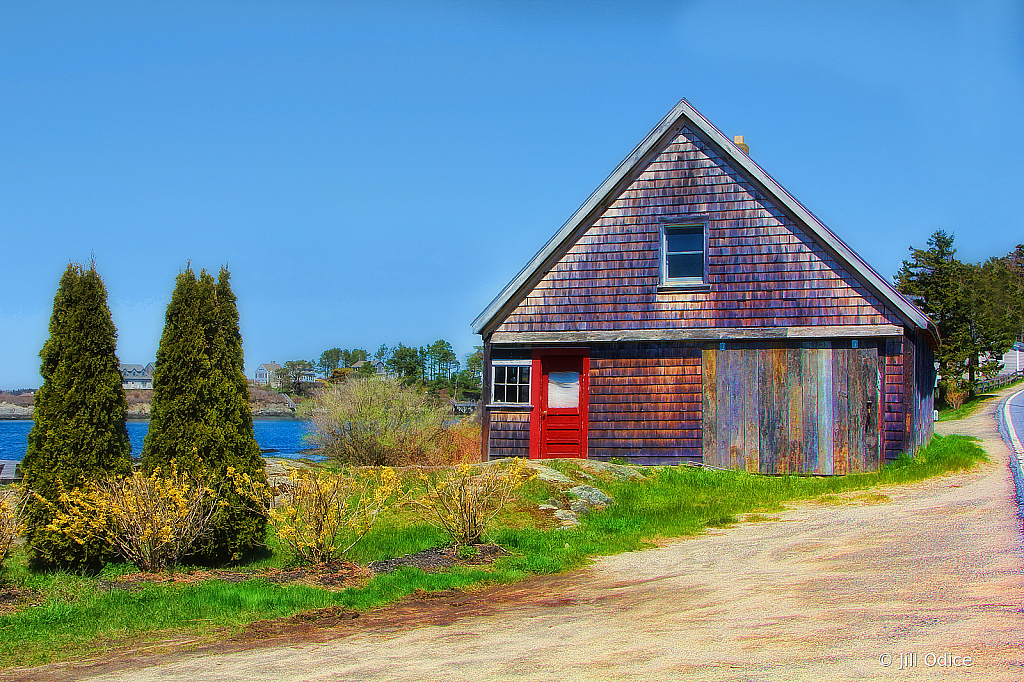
[[683, 114], [129, 371]]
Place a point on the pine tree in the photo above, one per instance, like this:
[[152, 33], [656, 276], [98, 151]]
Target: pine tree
[[975, 307], [79, 434], [200, 416]]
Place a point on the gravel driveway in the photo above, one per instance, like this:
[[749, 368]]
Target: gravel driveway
[[827, 592]]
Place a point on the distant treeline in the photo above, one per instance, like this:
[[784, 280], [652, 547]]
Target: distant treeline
[[978, 309], [434, 367]]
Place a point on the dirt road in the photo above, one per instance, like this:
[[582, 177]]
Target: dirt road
[[843, 592]]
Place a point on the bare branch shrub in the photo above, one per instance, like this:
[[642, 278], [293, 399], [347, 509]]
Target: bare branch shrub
[[463, 500], [379, 422], [12, 518], [955, 395], [258, 394], [138, 395], [320, 508]]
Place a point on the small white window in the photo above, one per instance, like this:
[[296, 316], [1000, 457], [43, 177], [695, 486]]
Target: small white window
[[510, 382], [684, 253]]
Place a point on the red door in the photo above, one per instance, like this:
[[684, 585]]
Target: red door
[[559, 420]]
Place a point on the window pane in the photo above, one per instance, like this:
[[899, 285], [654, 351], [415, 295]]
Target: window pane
[[682, 265], [511, 384], [684, 239], [563, 389]]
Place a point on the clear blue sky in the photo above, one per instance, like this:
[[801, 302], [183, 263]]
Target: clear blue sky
[[377, 174]]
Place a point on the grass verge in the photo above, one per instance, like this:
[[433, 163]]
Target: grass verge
[[970, 406], [74, 616]]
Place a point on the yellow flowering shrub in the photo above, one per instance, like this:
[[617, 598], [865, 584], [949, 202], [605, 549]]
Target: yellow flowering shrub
[[12, 518], [319, 509], [151, 521], [463, 500]]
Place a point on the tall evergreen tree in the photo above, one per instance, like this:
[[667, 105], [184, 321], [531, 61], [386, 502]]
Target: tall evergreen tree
[[238, 530], [200, 416], [79, 434], [934, 277], [977, 308]]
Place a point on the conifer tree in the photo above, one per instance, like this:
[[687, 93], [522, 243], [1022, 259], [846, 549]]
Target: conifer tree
[[238, 530], [79, 434], [976, 308], [200, 416]]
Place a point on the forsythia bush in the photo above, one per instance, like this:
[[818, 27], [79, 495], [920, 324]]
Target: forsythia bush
[[150, 520], [12, 518], [155, 520], [463, 500], [320, 508]]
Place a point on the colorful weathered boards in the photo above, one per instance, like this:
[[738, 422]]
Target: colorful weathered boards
[[710, 318]]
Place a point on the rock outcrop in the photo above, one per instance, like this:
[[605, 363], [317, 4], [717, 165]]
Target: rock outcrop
[[10, 411]]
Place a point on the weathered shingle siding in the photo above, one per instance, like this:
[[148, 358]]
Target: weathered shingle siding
[[645, 402], [509, 434], [895, 399], [763, 270]]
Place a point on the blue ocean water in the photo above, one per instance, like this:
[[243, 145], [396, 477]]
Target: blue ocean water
[[276, 437]]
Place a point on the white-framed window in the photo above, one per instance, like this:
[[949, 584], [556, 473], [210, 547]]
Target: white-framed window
[[684, 252], [510, 382]]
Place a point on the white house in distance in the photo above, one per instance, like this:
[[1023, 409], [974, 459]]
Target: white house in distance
[[266, 374], [136, 376]]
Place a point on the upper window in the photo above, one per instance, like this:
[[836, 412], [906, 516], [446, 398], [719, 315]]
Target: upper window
[[510, 382], [684, 253]]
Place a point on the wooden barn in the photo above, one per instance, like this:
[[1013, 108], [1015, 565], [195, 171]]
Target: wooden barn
[[692, 310]]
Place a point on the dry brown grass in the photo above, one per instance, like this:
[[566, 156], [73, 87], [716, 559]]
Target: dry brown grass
[[22, 400], [258, 394]]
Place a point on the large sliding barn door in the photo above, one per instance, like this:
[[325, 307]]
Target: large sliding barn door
[[808, 409]]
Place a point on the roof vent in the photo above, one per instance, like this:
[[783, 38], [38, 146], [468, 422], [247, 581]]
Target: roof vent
[[741, 144]]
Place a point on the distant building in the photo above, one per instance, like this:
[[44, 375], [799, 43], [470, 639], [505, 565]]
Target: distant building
[[135, 377], [266, 374]]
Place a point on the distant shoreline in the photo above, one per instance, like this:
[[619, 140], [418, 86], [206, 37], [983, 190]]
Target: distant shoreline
[[259, 411]]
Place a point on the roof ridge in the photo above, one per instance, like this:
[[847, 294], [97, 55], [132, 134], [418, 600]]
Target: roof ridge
[[682, 112]]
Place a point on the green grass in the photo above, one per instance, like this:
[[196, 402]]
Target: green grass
[[966, 410], [75, 617]]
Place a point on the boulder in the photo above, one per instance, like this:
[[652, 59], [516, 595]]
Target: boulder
[[591, 495], [567, 518], [619, 472], [548, 474], [581, 507]]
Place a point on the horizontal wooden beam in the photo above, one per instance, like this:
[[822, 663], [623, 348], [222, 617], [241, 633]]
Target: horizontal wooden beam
[[858, 331]]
